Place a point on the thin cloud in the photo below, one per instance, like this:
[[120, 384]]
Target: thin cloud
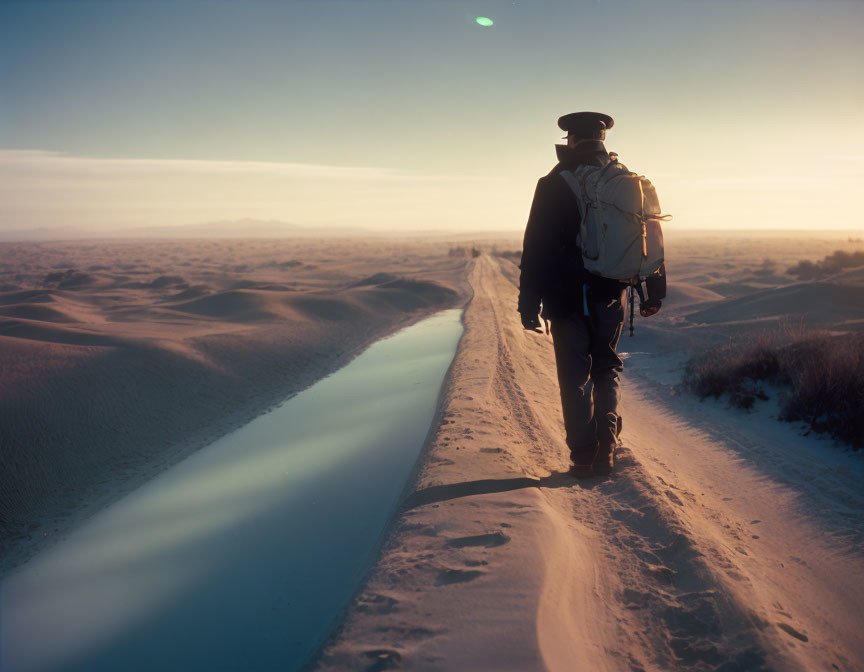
[[48, 162], [45, 188]]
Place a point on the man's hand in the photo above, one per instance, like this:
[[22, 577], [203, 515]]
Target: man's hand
[[531, 322]]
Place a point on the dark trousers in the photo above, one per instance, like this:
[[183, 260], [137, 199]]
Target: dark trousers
[[588, 368]]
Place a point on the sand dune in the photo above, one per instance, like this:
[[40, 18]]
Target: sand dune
[[405, 294], [817, 303], [36, 311], [27, 296], [328, 308], [375, 279], [681, 294], [110, 380], [733, 289], [270, 287], [51, 333], [854, 276], [188, 294], [70, 279], [241, 305], [273, 303], [164, 281]]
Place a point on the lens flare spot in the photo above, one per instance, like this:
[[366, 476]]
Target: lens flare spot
[[484, 21]]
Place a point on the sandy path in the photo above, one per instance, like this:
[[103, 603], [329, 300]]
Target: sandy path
[[500, 562], [801, 579]]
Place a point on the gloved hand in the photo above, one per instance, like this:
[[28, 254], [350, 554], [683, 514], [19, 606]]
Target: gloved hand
[[531, 322], [649, 307]]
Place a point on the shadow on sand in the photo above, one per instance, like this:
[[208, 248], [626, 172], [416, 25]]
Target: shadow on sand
[[488, 486]]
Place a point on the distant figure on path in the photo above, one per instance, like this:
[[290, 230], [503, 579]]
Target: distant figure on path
[[586, 311]]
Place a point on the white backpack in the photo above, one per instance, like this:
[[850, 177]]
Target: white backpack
[[620, 234]]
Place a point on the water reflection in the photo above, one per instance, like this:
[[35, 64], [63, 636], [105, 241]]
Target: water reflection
[[241, 556]]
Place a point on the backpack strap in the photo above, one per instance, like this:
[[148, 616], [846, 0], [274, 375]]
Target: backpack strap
[[612, 163], [631, 299], [578, 189], [577, 186]]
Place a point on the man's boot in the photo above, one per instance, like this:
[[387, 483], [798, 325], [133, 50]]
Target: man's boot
[[604, 461], [583, 462], [581, 471]]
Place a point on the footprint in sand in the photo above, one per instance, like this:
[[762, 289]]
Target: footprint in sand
[[450, 576], [635, 599], [662, 574], [789, 630], [382, 659], [674, 498], [490, 540], [377, 604], [695, 651], [475, 563]]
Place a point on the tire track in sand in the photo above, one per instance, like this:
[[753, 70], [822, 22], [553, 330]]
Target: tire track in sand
[[506, 387]]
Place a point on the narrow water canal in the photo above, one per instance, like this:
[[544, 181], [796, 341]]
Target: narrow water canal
[[242, 556]]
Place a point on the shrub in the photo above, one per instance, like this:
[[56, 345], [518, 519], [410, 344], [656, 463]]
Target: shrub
[[767, 269], [823, 377], [833, 263]]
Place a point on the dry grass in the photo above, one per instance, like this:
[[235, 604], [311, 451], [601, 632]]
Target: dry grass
[[821, 378]]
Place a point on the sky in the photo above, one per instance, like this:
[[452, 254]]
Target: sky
[[407, 115]]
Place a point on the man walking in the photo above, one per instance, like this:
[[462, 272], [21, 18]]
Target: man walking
[[586, 311]]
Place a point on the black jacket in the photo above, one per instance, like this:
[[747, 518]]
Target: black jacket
[[552, 270]]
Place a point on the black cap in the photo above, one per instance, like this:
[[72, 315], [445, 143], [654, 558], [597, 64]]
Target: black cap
[[585, 124]]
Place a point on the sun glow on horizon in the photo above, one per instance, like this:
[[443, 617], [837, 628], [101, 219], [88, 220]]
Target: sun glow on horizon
[[347, 121]]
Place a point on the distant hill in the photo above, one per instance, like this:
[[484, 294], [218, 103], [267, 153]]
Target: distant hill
[[240, 228], [818, 303], [243, 228]]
